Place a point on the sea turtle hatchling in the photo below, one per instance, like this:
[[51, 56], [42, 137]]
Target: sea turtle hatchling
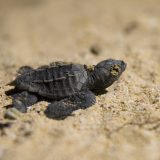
[[70, 86]]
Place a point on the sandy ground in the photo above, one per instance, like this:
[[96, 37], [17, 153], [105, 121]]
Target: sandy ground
[[124, 123]]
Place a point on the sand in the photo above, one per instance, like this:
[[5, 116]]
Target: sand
[[125, 122]]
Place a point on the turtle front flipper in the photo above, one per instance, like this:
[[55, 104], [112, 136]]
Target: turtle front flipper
[[21, 101], [65, 107]]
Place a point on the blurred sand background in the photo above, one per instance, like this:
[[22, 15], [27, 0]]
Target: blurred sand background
[[124, 124]]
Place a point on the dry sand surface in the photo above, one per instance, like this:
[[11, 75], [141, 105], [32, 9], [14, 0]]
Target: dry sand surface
[[124, 124]]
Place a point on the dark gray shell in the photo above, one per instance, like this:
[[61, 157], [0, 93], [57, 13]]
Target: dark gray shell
[[56, 81]]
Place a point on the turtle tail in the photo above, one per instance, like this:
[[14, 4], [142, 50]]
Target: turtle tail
[[12, 83], [12, 91]]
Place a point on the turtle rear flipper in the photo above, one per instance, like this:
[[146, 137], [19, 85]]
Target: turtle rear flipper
[[21, 101]]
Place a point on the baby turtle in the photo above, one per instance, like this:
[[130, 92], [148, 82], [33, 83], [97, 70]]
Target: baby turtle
[[70, 86]]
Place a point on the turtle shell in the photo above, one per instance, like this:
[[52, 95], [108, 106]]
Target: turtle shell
[[56, 81]]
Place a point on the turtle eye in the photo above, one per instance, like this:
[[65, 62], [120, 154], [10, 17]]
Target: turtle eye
[[115, 70]]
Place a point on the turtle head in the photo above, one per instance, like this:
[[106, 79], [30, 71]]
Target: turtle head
[[106, 73]]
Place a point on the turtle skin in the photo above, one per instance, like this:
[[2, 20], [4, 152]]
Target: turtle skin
[[69, 86]]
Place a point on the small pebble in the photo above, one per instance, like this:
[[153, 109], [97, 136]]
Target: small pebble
[[131, 27], [95, 50], [12, 114]]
